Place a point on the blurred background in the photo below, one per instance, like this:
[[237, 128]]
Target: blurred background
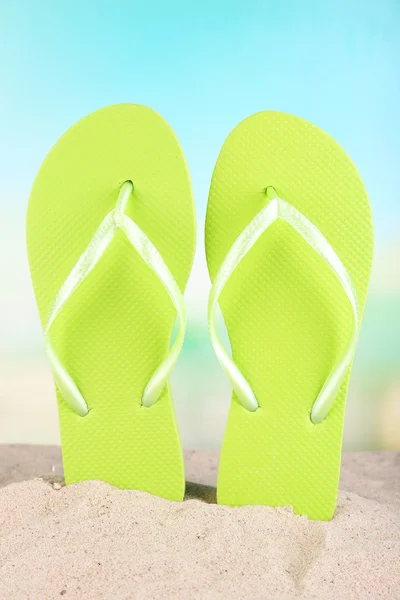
[[204, 67]]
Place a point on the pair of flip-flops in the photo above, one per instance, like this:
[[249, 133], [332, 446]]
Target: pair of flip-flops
[[289, 241]]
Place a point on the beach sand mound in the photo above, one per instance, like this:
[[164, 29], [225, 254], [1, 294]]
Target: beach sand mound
[[93, 541]]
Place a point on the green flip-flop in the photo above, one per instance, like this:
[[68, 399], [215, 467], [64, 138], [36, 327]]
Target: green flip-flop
[[111, 237], [292, 300]]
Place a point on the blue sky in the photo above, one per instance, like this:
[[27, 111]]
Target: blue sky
[[204, 68]]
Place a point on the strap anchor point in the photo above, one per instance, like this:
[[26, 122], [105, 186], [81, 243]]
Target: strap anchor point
[[270, 192]]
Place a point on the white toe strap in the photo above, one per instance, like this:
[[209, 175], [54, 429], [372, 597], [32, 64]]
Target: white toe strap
[[116, 219], [279, 209]]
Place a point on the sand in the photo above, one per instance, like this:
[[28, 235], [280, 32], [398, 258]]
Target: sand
[[94, 541]]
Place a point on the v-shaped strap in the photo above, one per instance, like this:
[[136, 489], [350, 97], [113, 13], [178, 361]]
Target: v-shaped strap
[[116, 219], [280, 209]]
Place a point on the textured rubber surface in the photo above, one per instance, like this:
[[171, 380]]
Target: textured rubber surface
[[287, 317], [116, 328]]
